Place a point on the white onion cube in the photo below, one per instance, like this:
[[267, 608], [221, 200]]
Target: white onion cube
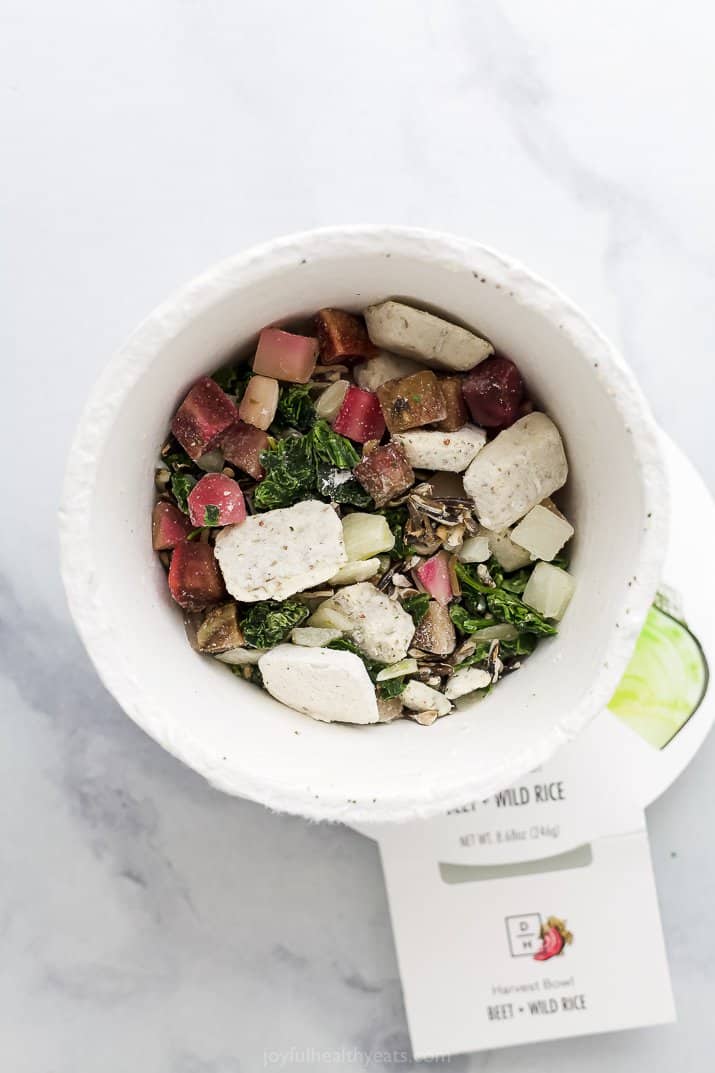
[[549, 590], [542, 533], [366, 535]]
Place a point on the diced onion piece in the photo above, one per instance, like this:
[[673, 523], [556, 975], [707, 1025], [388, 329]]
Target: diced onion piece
[[328, 617], [211, 462], [542, 532], [354, 572], [500, 631], [328, 405], [466, 681], [314, 636], [508, 554], [239, 657], [474, 550], [397, 670], [366, 535], [549, 590]]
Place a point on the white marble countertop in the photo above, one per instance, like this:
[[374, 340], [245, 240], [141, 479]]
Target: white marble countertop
[[147, 922]]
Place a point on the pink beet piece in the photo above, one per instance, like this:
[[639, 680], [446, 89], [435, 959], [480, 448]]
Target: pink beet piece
[[168, 526], [360, 417], [216, 500], [433, 575], [204, 414], [285, 356], [195, 580], [242, 445]]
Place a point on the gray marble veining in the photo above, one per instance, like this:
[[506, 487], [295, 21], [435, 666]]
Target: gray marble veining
[[146, 921]]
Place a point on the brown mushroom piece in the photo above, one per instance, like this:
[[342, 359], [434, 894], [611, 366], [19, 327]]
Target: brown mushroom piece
[[412, 401], [220, 630], [385, 473], [435, 632], [457, 415], [342, 335]]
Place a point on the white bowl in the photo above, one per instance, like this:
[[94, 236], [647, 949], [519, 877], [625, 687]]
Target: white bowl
[[235, 735]]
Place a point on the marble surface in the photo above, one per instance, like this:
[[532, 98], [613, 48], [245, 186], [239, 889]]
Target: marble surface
[[147, 922]]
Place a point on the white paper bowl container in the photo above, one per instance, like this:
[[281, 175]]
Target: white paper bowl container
[[235, 735]]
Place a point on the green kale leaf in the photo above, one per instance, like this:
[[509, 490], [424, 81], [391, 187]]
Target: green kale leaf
[[290, 474], [391, 688], [416, 606], [396, 518], [269, 622], [507, 607], [233, 379], [467, 622], [212, 513], [339, 486], [295, 408], [331, 449], [181, 485]]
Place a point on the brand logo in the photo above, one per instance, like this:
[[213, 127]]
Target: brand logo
[[529, 936]]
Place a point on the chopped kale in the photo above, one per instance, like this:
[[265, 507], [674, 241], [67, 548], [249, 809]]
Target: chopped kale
[[181, 485], [332, 449], [391, 688], [269, 622], [295, 408], [507, 607], [466, 622], [290, 474], [396, 518], [339, 486], [233, 379], [417, 606], [212, 513]]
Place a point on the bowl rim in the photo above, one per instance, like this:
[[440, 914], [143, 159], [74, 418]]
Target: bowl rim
[[126, 367]]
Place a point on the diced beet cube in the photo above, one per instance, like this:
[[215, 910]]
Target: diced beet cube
[[204, 414], [433, 575], [412, 401], [194, 577], [342, 336], [457, 416], [216, 500], [242, 445], [169, 526], [493, 392], [360, 417], [385, 473], [285, 356]]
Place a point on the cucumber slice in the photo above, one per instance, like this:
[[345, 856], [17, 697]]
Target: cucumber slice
[[665, 680]]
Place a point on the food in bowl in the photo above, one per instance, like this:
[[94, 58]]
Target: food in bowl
[[361, 520]]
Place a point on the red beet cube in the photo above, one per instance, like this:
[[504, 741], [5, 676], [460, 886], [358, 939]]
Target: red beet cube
[[360, 417], [342, 336], [242, 445], [204, 414], [493, 391], [216, 500], [168, 526], [385, 473], [194, 577], [285, 356]]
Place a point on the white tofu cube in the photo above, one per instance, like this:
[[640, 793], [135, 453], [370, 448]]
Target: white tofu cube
[[273, 555], [379, 626], [328, 685], [522, 466], [466, 681], [372, 374], [449, 452], [542, 532], [549, 590], [419, 697], [414, 333]]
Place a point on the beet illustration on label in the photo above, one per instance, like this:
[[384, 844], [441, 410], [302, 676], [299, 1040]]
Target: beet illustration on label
[[554, 937]]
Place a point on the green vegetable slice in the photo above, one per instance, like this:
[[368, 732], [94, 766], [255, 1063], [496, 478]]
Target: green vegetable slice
[[269, 622], [181, 485], [417, 606], [664, 682], [295, 408], [507, 607]]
